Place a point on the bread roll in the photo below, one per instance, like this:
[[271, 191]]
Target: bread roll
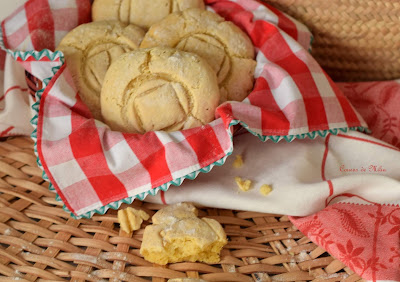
[[222, 44], [89, 49], [159, 89], [143, 13]]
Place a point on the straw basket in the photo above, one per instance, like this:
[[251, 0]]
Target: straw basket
[[354, 40]]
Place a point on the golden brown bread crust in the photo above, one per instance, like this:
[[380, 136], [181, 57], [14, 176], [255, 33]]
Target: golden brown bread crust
[[89, 49], [143, 13], [177, 234], [227, 49], [159, 89]]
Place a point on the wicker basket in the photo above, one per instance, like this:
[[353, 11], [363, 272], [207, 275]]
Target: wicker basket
[[355, 40], [39, 241]]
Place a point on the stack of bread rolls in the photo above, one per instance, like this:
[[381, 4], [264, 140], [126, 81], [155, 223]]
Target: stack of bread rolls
[[158, 65]]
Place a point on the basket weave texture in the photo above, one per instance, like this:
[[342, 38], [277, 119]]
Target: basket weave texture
[[355, 40], [39, 241]]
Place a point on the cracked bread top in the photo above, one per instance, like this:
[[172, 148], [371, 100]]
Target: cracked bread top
[[224, 46], [159, 88], [89, 50], [143, 13]]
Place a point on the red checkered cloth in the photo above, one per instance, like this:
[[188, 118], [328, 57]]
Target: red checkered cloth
[[41, 24], [37, 25], [93, 168]]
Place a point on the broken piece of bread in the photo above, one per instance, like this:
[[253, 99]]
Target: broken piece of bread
[[177, 234], [131, 219], [170, 214], [244, 184], [265, 189]]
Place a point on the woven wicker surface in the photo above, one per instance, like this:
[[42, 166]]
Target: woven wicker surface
[[39, 241], [354, 39]]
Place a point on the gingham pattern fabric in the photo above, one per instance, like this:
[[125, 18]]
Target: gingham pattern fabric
[[41, 24], [34, 26], [292, 94], [92, 167]]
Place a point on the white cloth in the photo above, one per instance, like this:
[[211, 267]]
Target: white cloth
[[15, 100], [294, 170]]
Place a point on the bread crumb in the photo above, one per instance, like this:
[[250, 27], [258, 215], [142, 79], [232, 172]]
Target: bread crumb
[[265, 189], [244, 185], [130, 219], [303, 256], [238, 163]]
